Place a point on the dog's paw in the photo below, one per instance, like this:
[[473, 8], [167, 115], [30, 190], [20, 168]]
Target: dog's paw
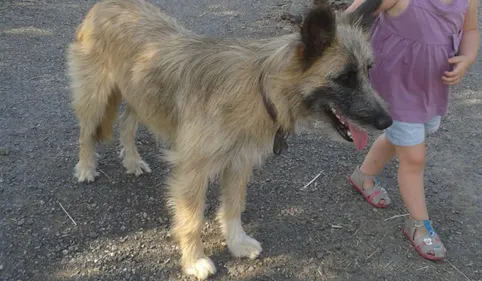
[[134, 164], [85, 174], [201, 268], [136, 167], [245, 246]]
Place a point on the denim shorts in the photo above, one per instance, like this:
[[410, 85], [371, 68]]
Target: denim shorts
[[410, 134]]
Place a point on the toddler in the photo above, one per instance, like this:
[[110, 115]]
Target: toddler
[[421, 47]]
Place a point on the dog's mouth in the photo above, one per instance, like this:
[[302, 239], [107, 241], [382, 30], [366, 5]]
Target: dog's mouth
[[347, 131]]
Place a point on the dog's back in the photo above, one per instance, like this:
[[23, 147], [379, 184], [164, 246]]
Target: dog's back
[[114, 31], [129, 49], [112, 38]]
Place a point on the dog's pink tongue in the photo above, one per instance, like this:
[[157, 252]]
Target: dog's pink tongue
[[360, 138]]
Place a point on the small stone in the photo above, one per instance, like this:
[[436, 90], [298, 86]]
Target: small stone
[[65, 252], [144, 215], [1, 266], [21, 222], [4, 151], [251, 268]]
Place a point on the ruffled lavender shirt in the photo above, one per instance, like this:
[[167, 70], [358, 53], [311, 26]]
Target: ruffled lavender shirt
[[411, 52]]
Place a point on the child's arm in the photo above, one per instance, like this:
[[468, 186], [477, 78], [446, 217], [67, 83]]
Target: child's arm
[[469, 46], [386, 5]]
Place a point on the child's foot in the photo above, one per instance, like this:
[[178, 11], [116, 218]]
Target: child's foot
[[369, 188], [424, 239]]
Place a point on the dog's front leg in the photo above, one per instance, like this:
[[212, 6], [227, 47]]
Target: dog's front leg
[[233, 200], [187, 190]]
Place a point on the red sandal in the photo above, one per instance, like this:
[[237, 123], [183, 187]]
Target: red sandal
[[429, 245], [373, 195]]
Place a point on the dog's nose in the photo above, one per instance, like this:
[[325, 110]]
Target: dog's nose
[[383, 122]]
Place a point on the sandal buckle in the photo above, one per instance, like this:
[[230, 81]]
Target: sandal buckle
[[428, 241]]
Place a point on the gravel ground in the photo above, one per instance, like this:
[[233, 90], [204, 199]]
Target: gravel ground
[[120, 228]]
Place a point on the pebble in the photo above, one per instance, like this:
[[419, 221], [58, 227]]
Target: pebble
[[1, 266], [21, 222], [4, 151], [65, 252]]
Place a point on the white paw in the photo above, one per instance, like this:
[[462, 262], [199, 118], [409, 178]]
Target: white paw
[[83, 173], [136, 167], [244, 246], [201, 268], [134, 163]]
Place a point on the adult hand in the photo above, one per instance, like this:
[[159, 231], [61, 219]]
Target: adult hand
[[461, 64]]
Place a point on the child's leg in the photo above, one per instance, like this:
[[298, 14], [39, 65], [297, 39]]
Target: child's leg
[[410, 181], [410, 150], [411, 155], [379, 154], [363, 177]]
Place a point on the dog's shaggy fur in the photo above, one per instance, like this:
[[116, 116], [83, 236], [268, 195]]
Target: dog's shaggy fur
[[217, 103]]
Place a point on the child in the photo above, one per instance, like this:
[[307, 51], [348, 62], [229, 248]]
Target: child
[[421, 47]]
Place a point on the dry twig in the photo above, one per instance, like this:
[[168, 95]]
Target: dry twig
[[459, 271], [321, 274], [105, 174], [317, 176], [394, 217], [357, 231], [372, 254], [65, 211]]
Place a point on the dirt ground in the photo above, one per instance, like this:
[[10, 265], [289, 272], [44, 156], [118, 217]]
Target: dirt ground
[[324, 231]]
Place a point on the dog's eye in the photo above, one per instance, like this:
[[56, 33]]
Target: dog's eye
[[348, 79]]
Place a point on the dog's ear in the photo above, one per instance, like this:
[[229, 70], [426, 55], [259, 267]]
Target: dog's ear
[[317, 33], [365, 13]]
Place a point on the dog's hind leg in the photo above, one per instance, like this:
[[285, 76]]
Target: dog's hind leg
[[95, 103], [233, 194], [131, 159], [187, 190]]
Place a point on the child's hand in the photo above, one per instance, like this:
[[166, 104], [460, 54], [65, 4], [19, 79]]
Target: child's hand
[[461, 64]]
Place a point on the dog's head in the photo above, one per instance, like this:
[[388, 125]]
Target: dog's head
[[335, 56]]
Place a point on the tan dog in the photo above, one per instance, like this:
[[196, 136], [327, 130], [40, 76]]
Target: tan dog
[[217, 103]]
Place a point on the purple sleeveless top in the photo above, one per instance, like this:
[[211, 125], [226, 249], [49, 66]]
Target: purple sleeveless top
[[411, 52]]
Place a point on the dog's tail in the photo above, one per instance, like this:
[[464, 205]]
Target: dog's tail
[[95, 97]]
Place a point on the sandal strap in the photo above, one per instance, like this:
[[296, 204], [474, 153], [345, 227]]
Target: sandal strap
[[374, 194], [362, 176], [430, 242], [377, 193]]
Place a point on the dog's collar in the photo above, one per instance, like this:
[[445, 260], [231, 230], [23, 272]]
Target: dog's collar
[[280, 136], [267, 103]]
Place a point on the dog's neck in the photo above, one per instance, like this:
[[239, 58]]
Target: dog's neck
[[276, 83], [281, 134]]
